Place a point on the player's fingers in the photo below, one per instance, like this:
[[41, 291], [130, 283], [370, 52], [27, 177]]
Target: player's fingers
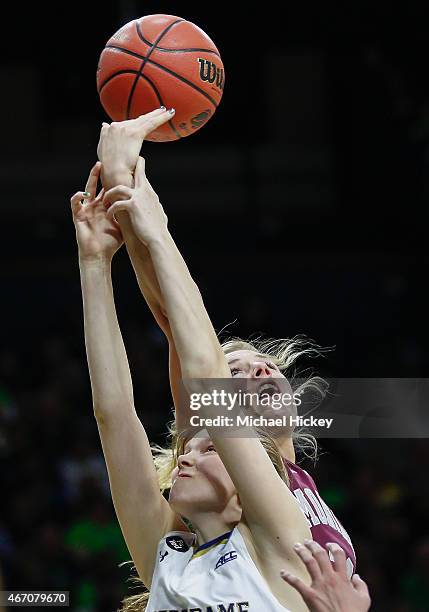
[[359, 585], [100, 195], [116, 207], [148, 116], [306, 592], [120, 192], [311, 564], [320, 555], [140, 172], [140, 123], [76, 200], [91, 183], [339, 558], [149, 124]]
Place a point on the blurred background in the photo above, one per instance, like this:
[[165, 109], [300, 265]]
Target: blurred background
[[301, 207]]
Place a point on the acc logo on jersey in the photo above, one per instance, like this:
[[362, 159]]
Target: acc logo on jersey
[[177, 543], [230, 556]]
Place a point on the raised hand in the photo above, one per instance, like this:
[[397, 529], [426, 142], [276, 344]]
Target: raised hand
[[121, 141], [141, 203], [330, 589], [98, 236]]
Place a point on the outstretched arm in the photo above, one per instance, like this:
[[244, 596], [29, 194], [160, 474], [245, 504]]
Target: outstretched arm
[[144, 515], [118, 149]]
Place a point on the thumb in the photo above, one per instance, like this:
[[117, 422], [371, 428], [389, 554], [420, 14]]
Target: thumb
[[76, 202], [117, 207], [140, 172]]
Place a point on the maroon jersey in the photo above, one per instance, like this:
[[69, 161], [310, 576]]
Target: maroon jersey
[[324, 525]]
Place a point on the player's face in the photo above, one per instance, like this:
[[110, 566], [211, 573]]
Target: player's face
[[200, 481], [263, 377], [248, 364]]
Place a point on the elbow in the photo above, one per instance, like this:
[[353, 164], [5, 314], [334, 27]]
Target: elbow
[[100, 416], [105, 413]]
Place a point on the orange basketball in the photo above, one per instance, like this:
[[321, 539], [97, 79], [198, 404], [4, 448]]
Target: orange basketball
[[161, 60]]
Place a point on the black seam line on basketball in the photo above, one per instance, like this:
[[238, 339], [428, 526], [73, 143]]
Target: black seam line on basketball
[[147, 42], [133, 53], [157, 49], [113, 76], [166, 70], [161, 103], [130, 97]]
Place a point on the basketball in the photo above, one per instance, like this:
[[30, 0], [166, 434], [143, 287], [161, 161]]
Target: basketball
[[161, 60]]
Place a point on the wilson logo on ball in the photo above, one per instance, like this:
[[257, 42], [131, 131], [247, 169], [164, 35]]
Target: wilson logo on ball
[[210, 73]]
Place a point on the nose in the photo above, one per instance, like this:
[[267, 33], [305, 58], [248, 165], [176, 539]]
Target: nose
[[260, 370], [185, 460]]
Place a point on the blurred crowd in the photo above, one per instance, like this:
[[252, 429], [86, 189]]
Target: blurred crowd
[[58, 529]]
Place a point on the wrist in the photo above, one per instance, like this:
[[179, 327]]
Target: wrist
[[160, 240], [117, 176], [101, 261]]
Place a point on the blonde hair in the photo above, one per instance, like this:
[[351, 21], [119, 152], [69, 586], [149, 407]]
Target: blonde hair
[[284, 352]]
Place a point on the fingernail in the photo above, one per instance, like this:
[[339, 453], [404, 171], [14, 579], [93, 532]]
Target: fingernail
[[163, 108], [86, 194], [308, 541], [172, 111], [297, 545], [284, 573]]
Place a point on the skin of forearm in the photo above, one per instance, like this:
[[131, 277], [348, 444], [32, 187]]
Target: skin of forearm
[[147, 280], [139, 254], [107, 360], [186, 313]]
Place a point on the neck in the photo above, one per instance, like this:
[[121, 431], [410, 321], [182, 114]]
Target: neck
[[286, 447], [210, 526]]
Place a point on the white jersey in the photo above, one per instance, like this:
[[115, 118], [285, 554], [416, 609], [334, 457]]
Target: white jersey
[[219, 576]]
